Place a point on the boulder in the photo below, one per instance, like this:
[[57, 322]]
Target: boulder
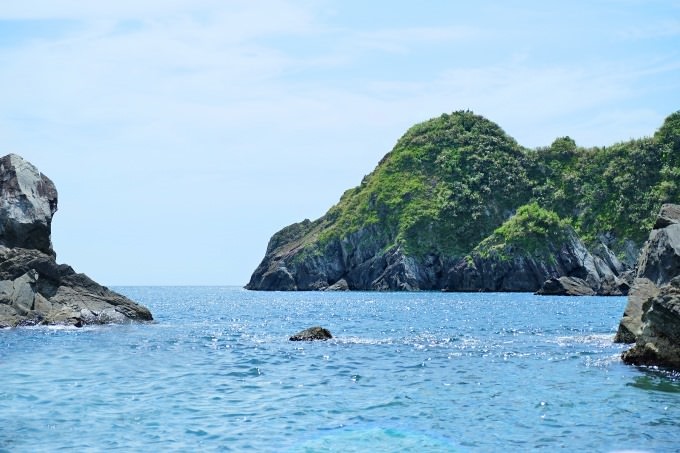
[[565, 286], [340, 285], [631, 323], [34, 288], [311, 334], [659, 342], [668, 215]]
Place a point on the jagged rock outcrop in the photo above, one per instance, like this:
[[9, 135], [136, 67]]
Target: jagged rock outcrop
[[360, 261], [363, 261], [312, 334], [652, 317], [658, 344], [28, 200], [564, 267], [658, 264], [34, 289]]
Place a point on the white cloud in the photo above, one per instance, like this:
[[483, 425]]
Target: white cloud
[[400, 40], [140, 10], [668, 27]]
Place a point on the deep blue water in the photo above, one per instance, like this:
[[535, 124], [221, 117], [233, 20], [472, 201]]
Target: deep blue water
[[405, 372]]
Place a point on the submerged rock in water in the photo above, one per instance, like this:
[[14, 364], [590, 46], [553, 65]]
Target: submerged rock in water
[[311, 334], [652, 316], [34, 289]]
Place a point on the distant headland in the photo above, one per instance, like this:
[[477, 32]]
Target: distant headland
[[458, 205]]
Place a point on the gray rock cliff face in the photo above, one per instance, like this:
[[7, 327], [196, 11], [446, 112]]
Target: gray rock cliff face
[[658, 264], [364, 260], [568, 268], [28, 200], [658, 343], [652, 317], [34, 289], [359, 261]]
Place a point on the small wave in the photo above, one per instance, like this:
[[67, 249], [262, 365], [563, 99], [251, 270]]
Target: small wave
[[364, 341], [602, 362], [63, 328], [603, 340], [376, 438]]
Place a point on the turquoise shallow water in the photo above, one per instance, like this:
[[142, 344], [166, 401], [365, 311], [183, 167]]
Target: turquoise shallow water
[[422, 372]]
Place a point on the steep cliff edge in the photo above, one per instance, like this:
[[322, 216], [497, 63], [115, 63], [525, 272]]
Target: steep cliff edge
[[458, 205], [34, 289]]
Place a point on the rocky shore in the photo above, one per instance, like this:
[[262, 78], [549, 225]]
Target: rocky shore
[[34, 289], [651, 319]]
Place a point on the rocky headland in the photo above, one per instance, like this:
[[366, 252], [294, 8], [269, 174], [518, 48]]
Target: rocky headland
[[652, 317], [458, 205], [34, 289]]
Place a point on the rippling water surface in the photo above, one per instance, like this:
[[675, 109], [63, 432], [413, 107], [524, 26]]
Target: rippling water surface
[[405, 372]]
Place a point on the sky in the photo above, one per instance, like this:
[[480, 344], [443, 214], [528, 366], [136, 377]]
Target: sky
[[182, 134]]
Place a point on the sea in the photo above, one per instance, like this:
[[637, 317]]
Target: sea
[[405, 372]]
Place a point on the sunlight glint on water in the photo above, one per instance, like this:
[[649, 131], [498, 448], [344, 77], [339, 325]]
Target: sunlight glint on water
[[405, 372]]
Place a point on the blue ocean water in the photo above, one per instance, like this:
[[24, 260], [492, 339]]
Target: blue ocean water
[[422, 372]]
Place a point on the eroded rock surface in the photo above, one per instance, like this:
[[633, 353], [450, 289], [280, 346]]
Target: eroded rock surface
[[652, 316], [34, 289]]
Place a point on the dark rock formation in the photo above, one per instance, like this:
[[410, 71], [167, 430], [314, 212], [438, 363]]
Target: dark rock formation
[[658, 264], [630, 326], [566, 268], [652, 316], [34, 289], [566, 286], [311, 334], [658, 344], [362, 261]]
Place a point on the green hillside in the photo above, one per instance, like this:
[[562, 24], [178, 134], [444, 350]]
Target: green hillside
[[454, 181], [451, 181]]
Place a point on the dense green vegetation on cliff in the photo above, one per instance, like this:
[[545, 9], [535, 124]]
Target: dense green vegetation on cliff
[[454, 181], [531, 231]]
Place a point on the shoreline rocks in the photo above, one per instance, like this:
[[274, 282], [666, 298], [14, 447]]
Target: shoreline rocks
[[652, 316], [34, 289]]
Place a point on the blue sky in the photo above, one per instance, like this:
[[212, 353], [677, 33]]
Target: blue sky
[[181, 134]]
